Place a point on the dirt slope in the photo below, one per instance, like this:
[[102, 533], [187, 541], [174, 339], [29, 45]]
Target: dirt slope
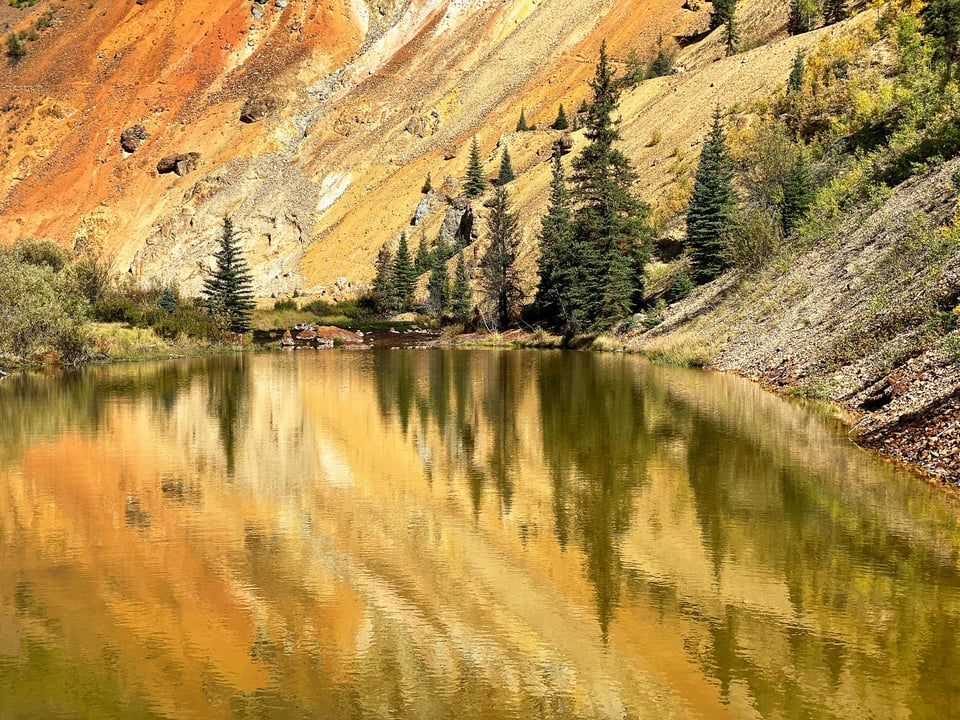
[[372, 97], [850, 320]]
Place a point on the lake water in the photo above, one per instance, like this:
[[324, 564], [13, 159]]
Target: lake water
[[460, 534]]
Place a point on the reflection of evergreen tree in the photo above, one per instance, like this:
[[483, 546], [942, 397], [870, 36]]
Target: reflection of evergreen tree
[[596, 446], [707, 456], [500, 399], [228, 387]]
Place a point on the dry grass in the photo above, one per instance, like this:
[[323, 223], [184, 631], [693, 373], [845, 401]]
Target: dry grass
[[680, 349], [118, 341]]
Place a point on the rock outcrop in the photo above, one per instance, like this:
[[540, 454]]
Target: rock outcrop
[[131, 138], [179, 163], [257, 108]]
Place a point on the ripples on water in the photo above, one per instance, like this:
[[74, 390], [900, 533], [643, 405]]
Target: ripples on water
[[457, 534]]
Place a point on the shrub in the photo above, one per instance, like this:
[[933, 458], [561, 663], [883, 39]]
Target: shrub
[[16, 47], [42, 310], [754, 238], [288, 304]]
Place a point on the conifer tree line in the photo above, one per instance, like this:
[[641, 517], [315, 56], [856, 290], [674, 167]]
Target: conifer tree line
[[397, 273], [595, 236]]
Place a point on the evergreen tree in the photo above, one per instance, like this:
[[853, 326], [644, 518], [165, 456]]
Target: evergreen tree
[[561, 123], [474, 183], [610, 228], [167, 300], [797, 194], [384, 287], [795, 83], [725, 13], [557, 264], [803, 16], [423, 260], [228, 291], [460, 294], [439, 285], [941, 20], [733, 29], [427, 185], [709, 216], [499, 278], [722, 10], [404, 275], [522, 122], [835, 10], [506, 168]]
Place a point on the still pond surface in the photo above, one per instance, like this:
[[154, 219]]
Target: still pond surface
[[458, 534]]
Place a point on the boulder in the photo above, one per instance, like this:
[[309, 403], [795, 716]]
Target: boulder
[[179, 163], [131, 138], [256, 109]]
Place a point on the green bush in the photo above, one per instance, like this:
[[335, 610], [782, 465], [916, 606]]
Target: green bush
[[42, 308], [288, 304]]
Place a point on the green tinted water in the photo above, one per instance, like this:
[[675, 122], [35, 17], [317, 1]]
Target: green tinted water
[[458, 534]]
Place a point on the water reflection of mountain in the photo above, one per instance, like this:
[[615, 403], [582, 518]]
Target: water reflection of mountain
[[460, 534]]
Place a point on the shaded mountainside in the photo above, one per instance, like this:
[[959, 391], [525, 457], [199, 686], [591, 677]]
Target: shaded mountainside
[[354, 104]]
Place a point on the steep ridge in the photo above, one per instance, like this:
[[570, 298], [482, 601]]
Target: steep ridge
[[370, 98]]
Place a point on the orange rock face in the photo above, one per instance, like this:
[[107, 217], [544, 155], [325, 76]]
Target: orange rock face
[[365, 99]]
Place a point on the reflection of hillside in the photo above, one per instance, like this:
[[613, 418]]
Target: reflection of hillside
[[461, 534]]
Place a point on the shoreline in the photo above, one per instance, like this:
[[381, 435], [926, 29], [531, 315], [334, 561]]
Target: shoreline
[[880, 430]]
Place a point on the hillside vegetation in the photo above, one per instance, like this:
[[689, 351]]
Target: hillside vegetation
[[860, 304]]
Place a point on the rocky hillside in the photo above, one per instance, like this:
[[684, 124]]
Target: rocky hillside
[[865, 318], [134, 127]]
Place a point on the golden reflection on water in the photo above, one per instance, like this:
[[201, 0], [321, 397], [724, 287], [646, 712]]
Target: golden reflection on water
[[457, 534]]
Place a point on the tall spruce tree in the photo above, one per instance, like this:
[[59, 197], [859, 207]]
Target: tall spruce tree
[[384, 287], [561, 123], [228, 291], [473, 182], [404, 275], [709, 216], [611, 233], [797, 194], [557, 265], [499, 277], [835, 10], [725, 13], [941, 20], [460, 293], [506, 169], [439, 285]]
